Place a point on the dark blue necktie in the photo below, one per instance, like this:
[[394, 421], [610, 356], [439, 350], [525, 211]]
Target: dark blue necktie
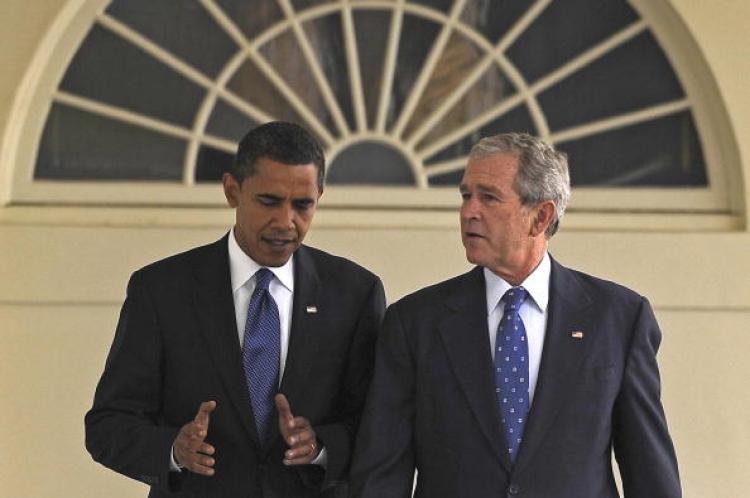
[[260, 352], [512, 370]]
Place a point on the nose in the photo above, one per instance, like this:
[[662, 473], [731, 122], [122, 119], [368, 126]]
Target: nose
[[469, 209], [285, 216]]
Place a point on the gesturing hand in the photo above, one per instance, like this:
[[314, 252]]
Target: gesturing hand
[[298, 434], [190, 450]]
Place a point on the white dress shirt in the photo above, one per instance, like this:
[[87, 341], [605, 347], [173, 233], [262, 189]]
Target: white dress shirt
[[533, 312]]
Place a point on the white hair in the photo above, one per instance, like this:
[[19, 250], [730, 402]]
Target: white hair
[[542, 171]]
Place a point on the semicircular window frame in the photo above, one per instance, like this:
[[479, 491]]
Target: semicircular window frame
[[342, 125]]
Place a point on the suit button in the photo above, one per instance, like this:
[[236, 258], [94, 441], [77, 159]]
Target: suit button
[[514, 489]]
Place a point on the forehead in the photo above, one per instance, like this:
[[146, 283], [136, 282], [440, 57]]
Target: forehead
[[276, 177], [497, 171]]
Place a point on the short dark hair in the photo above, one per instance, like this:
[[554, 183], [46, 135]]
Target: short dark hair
[[280, 141]]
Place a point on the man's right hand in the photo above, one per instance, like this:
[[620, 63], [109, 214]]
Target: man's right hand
[[190, 449]]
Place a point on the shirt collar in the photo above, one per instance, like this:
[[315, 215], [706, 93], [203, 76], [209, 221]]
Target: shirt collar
[[242, 267], [536, 284]]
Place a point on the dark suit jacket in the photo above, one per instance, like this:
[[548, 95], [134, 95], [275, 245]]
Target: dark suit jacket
[[432, 400], [177, 345]]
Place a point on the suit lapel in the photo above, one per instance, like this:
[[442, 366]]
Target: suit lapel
[[214, 306], [466, 338], [561, 356], [303, 343]]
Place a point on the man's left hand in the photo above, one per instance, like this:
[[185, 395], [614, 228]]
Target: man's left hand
[[298, 434]]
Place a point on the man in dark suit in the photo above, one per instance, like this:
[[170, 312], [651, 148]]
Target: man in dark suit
[[521, 376], [218, 348]]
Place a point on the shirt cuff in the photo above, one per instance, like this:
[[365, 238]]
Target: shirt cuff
[[176, 467], [321, 459]]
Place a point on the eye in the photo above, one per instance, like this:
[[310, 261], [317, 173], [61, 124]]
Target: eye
[[465, 196], [303, 204], [267, 201]]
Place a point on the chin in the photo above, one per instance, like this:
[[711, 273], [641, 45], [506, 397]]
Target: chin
[[473, 258], [277, 261], [278, 258]]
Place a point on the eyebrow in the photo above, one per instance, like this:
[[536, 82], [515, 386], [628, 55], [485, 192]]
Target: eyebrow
[[481, 188], [274, 197]]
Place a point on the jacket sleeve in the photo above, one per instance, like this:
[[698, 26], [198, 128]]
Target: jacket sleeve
[[642, 445], [384, 460], [123, 429]]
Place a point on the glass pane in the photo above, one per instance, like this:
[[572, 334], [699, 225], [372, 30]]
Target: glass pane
[[182, 27], [372, 29], [250, 84], [517, 120], [252, 17], [212, 164], [634, 76], [452, 179], [228, 122], [490, 90], [111, 70], [286, 57], [665, 152], [77, 145], [304, 4], [417, 38], [368, 163], [326, 37], [443, 5], [566, 29], [493, 18], [458, 61]]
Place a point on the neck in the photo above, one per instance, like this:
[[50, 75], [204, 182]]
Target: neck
[[518, 273]]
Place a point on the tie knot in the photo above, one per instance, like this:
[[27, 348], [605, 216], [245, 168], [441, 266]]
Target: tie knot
[[514, 297], [263, 278]]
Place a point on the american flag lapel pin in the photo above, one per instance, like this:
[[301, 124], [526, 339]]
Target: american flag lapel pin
[[311, 309], [576, 334]]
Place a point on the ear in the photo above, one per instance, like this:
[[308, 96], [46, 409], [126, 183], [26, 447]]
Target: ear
[[231, 189], [542, 216]]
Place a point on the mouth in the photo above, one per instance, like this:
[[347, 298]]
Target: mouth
[[472, 236], [279, 242]]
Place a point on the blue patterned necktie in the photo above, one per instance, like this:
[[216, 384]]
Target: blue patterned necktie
[[512, 370], [260, 352]]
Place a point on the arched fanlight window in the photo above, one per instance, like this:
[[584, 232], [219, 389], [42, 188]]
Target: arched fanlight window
[[397, 91]]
